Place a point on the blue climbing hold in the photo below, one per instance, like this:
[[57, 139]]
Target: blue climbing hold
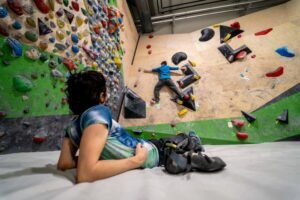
[[68, 54], [15, 46], [17, 25], [52, 39], [285, 51], [74, 38], [120, 20], [75, 49], [3, 12]]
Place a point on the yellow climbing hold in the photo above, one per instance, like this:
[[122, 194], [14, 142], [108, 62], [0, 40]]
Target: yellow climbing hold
[[60, 23], [80, 36], [227, 37], [51, 15], [197, 77], [182, 112], [118, 62], [193, 97], [79, 21], [192, 63], [95, 65], [60, 35], [179, 101], [216, 25]]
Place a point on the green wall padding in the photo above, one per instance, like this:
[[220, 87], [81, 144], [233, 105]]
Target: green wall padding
[[217, 131]]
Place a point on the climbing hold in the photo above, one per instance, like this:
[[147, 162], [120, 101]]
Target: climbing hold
[[74, 28], [4, 30], [51, 4], [194, 64], [31, 22], [238, 123], [206, 34], [178, 57], [150, 36], [17, 25], [52, 64], [60, 59], [16, 6], [227, 37], [31, 36], [42, 6], [79, 21], [278, 72], [66, 2], [5, 62], [75, 6], [60, 35], [137, 131], [52, 39], [60, 23], [148, 46], [51, 15], [239, 36], [69, 64], [28, 9], [182, 112], [95, 65], [60, 12], [59, 1], [69, 15], [149, 52], [22, 84], [43, 28], [33, 54], [264, 32], [84, 12], [2, 114], [250, 118], [15, 46], [235, 25], [253, 56], [242, 136], [285, 51], [3, 12], [134, 105], [52, 24], [241, 55], [39, 138], [68, 32], [68, 54], [216, 25], [75, 49], [74, 38], [60, 46], [230, 54], [44, 57], [57, 74], [283, 117]]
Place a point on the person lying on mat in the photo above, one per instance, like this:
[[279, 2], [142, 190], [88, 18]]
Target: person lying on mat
[[106, 149]]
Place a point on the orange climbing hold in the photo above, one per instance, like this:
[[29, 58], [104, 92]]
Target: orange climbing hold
[[278, 72], [69, 64], [242, 135], [264, 32]]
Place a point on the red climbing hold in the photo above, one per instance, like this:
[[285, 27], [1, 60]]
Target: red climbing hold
[[239, 36], [16, 6], [253, 56], [149, 52], [148, 46], [39, 138], [2, 114], [264, 32], [237, 122], [235, 25], [242, 136], [278, 72], [69, 64], [75, 6], [42, 6], [186, 97], [150, 36], [241, 55]]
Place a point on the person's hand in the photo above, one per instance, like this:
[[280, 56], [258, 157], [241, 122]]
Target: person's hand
[[146, 71], [140, 154], [183, 69]]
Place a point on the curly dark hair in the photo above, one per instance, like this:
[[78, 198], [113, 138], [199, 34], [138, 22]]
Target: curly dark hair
[[84, 89], [163, 63]]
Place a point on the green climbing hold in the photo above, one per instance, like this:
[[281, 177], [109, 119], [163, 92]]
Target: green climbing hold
[[22, 84], [44, 57], [83, 11], [66, 2], [31, 36]]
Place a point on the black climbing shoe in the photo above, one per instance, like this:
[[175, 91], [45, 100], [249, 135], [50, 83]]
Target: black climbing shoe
[[203, 163]]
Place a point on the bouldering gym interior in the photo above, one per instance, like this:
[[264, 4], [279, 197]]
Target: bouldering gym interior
[[223, 74]]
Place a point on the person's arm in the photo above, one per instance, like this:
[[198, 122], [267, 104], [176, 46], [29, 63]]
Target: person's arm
[[67, 158], [90, 168], [174, 68], [152, 70]]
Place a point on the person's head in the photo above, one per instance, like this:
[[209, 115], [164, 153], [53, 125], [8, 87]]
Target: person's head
[[163, 63], [84, 90]]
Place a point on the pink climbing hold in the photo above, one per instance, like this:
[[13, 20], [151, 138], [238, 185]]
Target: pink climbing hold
[[264, 32], [242, 136], [241, 55], [278, 72], [239, 36]]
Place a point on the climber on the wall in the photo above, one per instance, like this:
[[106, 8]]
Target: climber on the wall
[[164, 80]]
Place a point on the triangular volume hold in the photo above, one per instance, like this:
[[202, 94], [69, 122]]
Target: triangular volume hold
[[134, 106], [284, 117], [249, 117], [43, 28], [188, 103], [69, 15], [226, 31]]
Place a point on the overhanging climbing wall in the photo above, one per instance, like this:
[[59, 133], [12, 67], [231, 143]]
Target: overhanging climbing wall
[[224, 89]]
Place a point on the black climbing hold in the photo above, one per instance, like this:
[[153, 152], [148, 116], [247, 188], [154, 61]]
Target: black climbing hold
[[137, 132], [225, 30], [206, 34], [188, 80], [69, 15], [134, 106], [231, 54], [249, 117], [43, 28], [189, 70], [190, 103], [26, 124], [284, 117], [5, 62], [26, 110], [178, 57]]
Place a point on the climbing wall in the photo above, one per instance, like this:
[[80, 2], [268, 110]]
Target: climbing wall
[[224, 88], [41, 44]]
